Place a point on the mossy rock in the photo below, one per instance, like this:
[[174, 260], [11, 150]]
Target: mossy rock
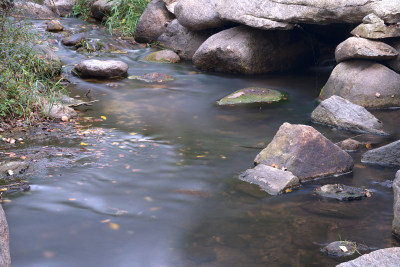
[[163, 56], [153, 77], [253, 95], [342, 192]]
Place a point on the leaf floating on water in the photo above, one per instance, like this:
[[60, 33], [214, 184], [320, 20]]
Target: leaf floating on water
[[148, 199], [10, 172], [367, 193], [103, 117], [133, 77], [368, 146], [3, 189], [288, 190], [113, 226], [105, 221], [200, 156], [83, 144], [155, 208]]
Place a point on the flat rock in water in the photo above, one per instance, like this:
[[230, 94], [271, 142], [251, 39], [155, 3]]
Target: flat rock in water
[[73, 40], [305, 152], [94, 68], [364, 83], [153, 77], [350, 144], [387, 257], [341, 192], [396, 205], [270, 179], [252, 95], [386, 155], [362, 48], [339, 112], [54, 26], [163, 56], [183, 41], [375, 28], [343, 248]]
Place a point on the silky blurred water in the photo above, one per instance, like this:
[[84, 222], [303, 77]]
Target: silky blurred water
[[161, 188]]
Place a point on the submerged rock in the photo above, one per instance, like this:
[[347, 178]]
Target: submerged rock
[[342, 192], [343, 248], [396, 205], [153, 22], [385, 155], [163, 56], [153, 77], [73, 40], [350, 144], [250, 51], [364, 83], [94, 68], [54, 26], [339, 112], [305, 152], [361, 48], [204, 17], [375, 28], [271, 180], [5, 259], [183, 41], [252, 95], [379, 258], [16, 167]]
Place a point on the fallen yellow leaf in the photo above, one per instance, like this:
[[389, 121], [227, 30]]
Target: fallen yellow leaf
[[288, 190], [83, 144], [113, 226], [368, 146]]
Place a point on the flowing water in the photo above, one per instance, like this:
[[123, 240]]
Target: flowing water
[[161, 187]]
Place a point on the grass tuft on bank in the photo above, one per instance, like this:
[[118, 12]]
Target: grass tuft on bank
[[27, 72]]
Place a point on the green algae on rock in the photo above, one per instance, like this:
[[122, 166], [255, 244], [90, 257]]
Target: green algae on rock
[[253, 95], [163, 56]]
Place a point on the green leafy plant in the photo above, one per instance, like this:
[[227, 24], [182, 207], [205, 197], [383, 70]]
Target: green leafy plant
[[125, 15], [81, 8]]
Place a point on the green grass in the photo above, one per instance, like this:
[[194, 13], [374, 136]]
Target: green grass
[[26, 73], [81, 8]]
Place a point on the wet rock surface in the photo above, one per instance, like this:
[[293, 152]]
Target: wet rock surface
[[378, 258], [396, 205], [270, 179], [343, 248], [385, 155], [305, 152], [153, 77], [54, 26], [163, 56], [250, 51], [364, 83], [34, 11], [361, 48], [339, 112], [60, 7], [252, 95], [73, 40], [94, 68], [153, 22], [342, 192], [183, 41], [5, 258]]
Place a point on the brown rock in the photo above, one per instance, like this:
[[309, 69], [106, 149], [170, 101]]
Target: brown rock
[[54, 26], [305, 152]]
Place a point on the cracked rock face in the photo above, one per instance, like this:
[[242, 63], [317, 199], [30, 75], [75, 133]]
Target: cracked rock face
[[282, 14]]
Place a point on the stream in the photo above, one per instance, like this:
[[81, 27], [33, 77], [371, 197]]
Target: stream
[[160, 187]]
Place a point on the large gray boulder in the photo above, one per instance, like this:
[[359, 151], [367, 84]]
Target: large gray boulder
[[183, 41], [94, 68], [60, 7], [364, 83], [198, 14], [271, 14], [378, 258], [396, 205], [270, 179], [385, 155], [395, 63], [247, 50], [34, 11], [361, 48], [5, 259], [374, 27], [101, 8], [339, 112], [153, 22], [305, 152]]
